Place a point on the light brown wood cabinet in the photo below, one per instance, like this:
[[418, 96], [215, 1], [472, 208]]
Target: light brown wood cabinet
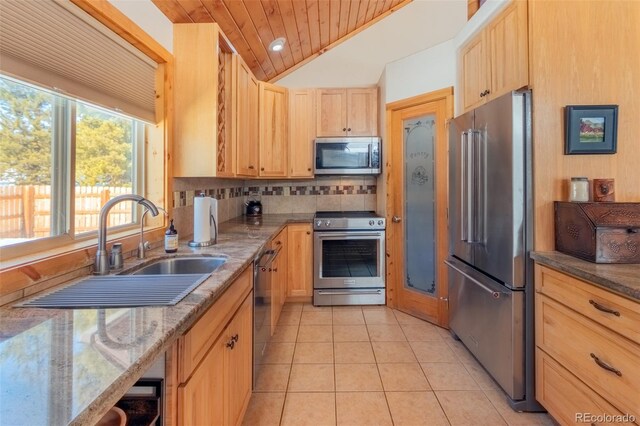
[[204, 103], [302, 132], [300, 270], [246, 124], [496, 61], [215, 359], [273, 130], [347, 112], [279, 276], [587, 348]]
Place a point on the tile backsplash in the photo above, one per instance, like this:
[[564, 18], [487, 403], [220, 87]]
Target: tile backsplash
[[229, 193], [277, 196], [309, 196]]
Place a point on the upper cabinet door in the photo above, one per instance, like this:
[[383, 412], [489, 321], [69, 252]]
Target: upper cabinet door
[[246, 126], [496, 61], [302, 131], [347, 112], [203, 98], [474, 75], [273, 130], [332, 112], [362, 112], [508, 45]]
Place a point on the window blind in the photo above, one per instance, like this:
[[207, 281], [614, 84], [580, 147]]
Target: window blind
[[55, 44]]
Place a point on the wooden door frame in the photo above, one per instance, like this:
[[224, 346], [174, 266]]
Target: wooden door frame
[[394, 200]]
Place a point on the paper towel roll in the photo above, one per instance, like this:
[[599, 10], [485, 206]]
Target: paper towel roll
[[202, 219]]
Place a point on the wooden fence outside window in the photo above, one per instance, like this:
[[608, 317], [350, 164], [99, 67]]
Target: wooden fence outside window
[[25, 210]]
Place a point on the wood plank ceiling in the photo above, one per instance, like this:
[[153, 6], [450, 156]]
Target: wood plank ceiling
[[311, 27]]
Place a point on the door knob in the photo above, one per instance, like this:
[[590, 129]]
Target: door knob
[[396, 219]]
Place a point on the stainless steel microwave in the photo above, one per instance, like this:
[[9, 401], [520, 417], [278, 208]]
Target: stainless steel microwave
[[347, 156]]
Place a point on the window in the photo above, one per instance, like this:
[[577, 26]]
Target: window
[[57, 152]]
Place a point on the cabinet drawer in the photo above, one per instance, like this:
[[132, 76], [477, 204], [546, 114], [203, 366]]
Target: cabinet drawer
[[615, 312], [586, 348], [564, 396], [195, 343]]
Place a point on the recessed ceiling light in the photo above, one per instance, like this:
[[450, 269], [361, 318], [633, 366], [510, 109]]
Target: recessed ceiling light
[[277, 45]]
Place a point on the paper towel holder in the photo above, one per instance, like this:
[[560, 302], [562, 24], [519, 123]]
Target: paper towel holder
[[199, 244]]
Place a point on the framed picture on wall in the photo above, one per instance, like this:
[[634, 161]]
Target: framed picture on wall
[[591, 129]]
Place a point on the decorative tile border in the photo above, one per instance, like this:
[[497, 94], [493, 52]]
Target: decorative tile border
[[312, 190], [185, 198]]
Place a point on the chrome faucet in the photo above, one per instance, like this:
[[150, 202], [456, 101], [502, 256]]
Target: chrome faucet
[[101, 265], [144, 245]]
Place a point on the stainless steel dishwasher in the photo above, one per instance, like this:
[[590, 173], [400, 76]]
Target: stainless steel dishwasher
[[262, 305]]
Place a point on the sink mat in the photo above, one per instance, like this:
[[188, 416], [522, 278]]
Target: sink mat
[[120, 291]]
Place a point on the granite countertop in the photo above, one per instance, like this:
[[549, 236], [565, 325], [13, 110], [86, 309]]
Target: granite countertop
[[56, 369], [623, 279]]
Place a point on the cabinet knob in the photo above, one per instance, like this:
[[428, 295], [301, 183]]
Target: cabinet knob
[[308, 169], [349, 129], [262, 169], [251, 167], [235, 337], [275, 269], [230, 344], [308, 232], [344, 129]]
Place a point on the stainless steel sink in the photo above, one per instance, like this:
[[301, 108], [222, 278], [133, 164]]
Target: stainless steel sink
[[119, 291], [162, 283], [182, 265]]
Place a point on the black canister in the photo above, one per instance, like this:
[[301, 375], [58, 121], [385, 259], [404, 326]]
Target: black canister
[[253, 205]]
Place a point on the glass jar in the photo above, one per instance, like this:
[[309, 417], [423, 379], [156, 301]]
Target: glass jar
[[579, 189]]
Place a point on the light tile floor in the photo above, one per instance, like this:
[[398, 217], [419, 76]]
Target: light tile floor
[[361, 366]]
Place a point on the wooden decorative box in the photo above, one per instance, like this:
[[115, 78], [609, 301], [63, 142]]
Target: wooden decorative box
[[599, 232]]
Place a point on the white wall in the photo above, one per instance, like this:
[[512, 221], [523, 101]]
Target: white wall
[[148, 17], [424, 72]]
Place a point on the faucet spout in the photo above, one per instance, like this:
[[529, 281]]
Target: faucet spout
[[101, 265]]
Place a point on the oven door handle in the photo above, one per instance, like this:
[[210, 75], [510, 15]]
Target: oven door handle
[[348, 292], [348, 235]]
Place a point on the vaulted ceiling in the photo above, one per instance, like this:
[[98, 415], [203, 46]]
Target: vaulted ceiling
[[311, 27]]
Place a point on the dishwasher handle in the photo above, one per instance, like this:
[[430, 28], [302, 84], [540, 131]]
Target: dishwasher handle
[[272, 256]]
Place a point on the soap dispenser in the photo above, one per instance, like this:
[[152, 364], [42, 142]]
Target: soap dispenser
[[171, 239]]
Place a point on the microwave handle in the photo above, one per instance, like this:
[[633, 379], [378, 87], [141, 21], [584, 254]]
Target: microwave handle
[[370, 155]]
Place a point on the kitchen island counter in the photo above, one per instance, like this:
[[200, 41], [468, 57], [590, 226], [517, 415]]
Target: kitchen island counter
[[69, 366]]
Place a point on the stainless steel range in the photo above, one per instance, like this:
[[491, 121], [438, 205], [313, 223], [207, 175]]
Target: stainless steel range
[[348, 251]]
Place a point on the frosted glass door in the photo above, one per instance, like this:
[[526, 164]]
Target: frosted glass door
[[419, 208]]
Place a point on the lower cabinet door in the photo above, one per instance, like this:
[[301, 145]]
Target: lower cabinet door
[[239, 362], [201, 398], [300, 261], [568, 400]]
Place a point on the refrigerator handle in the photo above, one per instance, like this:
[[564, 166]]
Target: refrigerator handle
[[471, 192], [480, 143], [464, 137]]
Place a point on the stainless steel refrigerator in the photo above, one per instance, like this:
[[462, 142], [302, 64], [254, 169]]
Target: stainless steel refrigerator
[[490, 236]]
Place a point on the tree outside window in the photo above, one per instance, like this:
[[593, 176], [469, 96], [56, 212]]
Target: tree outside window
[[37, 142]]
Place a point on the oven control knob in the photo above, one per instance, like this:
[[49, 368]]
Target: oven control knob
[[372, 222], [327, 223], [381, 222], [319, 223]]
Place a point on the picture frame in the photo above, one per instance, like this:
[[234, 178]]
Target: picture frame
[[591, 129]]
